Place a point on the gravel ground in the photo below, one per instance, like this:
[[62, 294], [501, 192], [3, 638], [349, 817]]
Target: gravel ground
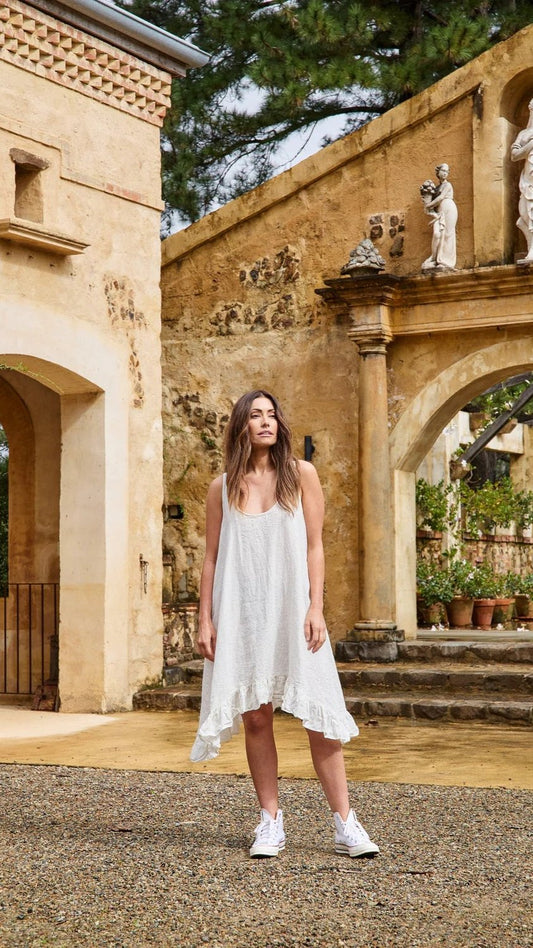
[[114, 858]]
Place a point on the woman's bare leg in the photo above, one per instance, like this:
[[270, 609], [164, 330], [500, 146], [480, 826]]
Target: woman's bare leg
[[262, 756], [328, 761]]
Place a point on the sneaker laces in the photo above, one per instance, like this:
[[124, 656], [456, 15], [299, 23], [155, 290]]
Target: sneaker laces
[[354, 831], [267, 831]]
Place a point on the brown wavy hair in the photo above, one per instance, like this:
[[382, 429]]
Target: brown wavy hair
[[238, 450]]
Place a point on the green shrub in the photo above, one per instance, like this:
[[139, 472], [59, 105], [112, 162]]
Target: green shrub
[[436, 507]]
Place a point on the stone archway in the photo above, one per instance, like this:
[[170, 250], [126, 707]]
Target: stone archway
[[415, 433], [90, 456], [426, 346]]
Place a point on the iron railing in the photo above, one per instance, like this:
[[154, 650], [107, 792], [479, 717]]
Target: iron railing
[[29, 614]]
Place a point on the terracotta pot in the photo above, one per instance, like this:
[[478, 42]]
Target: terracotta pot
[[482, 614], [433, 614], [522, 606], [459, 611], [503, 611]]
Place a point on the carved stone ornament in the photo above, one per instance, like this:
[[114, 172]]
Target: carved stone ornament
[[364, 259]]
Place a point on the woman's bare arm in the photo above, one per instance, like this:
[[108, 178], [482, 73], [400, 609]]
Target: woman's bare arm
[[207, 635], [313, 508]]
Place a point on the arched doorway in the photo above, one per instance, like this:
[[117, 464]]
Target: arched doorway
[[416, 431], [30, 418], [67, 425]]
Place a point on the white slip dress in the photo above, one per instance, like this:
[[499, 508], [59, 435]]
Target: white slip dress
[[260, 601]]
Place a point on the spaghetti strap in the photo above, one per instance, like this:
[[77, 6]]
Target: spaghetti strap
[[225, 502]]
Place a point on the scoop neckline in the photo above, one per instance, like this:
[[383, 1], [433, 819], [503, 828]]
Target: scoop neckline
[[262, 514]]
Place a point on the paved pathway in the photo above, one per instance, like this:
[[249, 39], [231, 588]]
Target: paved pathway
[[446, 755]]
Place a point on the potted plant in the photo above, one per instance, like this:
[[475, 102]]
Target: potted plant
[[524, 596], [484, 601], [462, 579], [505, 593], [433, 589]]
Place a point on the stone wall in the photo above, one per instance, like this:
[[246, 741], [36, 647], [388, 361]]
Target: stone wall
[[503, 552], [240, 308], [270, 338], [80, 313], [240, 311]]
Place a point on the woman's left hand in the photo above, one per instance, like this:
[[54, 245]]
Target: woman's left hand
[[315, 629]]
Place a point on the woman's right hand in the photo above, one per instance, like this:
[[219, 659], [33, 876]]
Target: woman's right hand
[[207, 639]]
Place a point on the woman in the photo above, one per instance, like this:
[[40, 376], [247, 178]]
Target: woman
[[522, 150], [261, 626], [443, 210]]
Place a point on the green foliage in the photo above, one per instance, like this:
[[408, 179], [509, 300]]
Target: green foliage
[[432, 583], [486, 585], [463, 576], [523, 584], [436, 506], [456, 576], [507, 584], [209, 442], [523, 514], [490, 506], [305, 61], [501, 398]]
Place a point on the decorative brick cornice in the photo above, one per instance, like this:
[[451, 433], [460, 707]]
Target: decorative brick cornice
[[41, 44]]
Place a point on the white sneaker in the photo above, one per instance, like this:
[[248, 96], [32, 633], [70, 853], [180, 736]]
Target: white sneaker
[[351, 839], [269, 835]]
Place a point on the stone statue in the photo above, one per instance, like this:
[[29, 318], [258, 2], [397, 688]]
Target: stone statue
[[522, 150], [440, 206], [365, 258]]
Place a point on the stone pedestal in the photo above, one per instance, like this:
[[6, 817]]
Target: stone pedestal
[[370, 642]]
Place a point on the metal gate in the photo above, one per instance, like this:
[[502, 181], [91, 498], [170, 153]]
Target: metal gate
[[29, 615]]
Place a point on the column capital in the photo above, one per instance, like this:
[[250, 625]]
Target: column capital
[[371, 340], [369, 302]]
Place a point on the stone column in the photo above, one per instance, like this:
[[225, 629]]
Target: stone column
[[374, 480], [369, 301], [375, 632]]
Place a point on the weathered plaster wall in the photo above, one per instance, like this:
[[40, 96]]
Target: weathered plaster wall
[[200, 384], [241, 311], [84, 331], [240, 308]]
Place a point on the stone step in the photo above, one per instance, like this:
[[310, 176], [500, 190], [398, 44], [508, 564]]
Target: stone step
[[187, 671], [435, 679], [468, 652], [443, 679], [449, 677], [183, 697], [438, 708], [471, 652], [376, 704], [369, 702]]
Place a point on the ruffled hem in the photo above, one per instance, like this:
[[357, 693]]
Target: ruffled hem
[[223, 722]]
